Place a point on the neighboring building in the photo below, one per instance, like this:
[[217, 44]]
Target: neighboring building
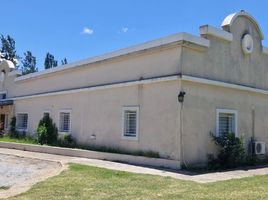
[[132, 98]]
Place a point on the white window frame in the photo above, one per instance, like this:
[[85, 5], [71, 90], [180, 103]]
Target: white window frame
[[130, 108], [21, 129], [70, 125], [227, 111]]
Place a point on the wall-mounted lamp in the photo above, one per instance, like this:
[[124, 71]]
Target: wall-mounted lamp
[[181, 96]]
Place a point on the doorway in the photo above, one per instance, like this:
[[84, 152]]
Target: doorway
[[2, 122]]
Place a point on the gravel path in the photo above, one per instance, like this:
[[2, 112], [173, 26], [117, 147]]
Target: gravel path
[[14, 169], [17, 174]]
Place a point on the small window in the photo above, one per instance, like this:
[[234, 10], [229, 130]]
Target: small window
[[226, 122], [130, 122], [22, 121], [3, 95], [65, 121]]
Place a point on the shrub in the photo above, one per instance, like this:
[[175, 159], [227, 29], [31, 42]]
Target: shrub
[[66, 141], [47, 132], [232, 152], [13, 132]]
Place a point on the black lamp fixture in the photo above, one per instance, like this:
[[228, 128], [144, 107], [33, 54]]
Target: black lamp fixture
[[181, 96]]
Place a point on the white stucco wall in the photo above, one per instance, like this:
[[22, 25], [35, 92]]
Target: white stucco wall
[[160, 62], [199, 117], [100, 113]]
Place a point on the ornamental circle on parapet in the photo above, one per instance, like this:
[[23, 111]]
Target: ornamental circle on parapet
[[247, 44]]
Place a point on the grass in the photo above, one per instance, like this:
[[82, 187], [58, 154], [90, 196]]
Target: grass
[[150, 154], [23, 140], [4, 187], [84, 182], [29, 140]]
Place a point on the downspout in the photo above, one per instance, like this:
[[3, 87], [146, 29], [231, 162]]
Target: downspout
[[253, 122], [253, 130], [181, 112], [181, 136]]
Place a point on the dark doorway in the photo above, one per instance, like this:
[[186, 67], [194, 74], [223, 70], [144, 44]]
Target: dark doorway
[[2, 122]]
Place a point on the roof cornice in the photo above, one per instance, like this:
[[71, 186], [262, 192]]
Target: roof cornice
[[183, 39]]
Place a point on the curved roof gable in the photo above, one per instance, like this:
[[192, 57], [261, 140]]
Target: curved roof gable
[[229, 20], [6, 64]]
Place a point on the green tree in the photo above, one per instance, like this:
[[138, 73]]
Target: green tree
[[64, 61], [8, 49], [47, 131], [29, 63], [50, 61]]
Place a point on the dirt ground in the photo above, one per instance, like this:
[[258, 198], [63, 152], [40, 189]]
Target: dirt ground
[[17, 174]]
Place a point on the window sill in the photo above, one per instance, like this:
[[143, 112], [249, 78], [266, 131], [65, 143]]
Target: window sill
[[130, 138], [64, 132], [22, 130]]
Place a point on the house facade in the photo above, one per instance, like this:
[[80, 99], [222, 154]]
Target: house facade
[[165, 95]]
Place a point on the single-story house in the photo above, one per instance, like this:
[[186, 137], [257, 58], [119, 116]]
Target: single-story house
[[164, 95]]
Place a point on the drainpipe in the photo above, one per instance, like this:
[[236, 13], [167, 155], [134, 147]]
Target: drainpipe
[[253, 129], [253, 122], [181, 100]]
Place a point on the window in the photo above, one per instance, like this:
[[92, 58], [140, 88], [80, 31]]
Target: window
[[3, 95], [226, 122], [22, 121], [65, 121], [130, 122]]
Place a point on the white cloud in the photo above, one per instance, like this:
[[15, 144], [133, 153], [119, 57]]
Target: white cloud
[[88, 31], [124, 29]]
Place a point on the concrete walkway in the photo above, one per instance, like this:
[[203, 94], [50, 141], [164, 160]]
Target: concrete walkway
[[200, 178]]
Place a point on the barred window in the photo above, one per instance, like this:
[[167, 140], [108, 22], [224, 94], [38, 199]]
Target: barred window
[[130, 122], [226, 121], [22, 121], [64, 122]]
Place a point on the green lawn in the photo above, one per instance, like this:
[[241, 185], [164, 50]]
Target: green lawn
[[25, 140], [84, 182]]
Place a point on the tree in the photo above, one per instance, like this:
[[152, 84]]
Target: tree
[[64, 61], [50, 61], [29, 63], [47, 131], [8, 49]]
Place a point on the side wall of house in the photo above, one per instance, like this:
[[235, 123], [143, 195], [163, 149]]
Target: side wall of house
[[199, 117], [224, 61], [100, 113]]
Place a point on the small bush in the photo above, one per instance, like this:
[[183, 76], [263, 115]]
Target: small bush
[[232, 152], [150, 154], [13, 132], [47, 132], [66, 141]]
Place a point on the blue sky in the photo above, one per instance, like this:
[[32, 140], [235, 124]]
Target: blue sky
[[84, 28]]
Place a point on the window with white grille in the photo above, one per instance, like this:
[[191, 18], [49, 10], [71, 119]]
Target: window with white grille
[[130, 122], [22, 121], [65, 122], [226, 121]]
